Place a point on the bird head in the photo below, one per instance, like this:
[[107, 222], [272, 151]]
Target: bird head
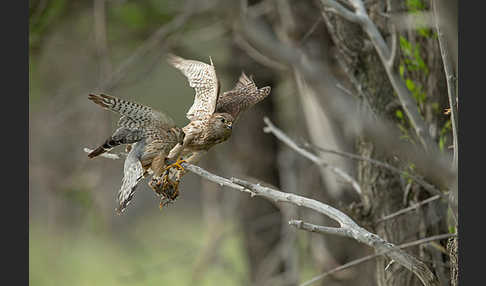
[[224, 120]]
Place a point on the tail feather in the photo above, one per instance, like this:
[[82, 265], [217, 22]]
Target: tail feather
[[132, 174], [121, 106], [103, 100], [98, 151], [121, 136], [107, 146]]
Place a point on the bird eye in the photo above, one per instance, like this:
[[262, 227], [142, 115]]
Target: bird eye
[[222, 120]]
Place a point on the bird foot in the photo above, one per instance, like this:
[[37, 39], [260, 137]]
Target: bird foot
[[176, 164]]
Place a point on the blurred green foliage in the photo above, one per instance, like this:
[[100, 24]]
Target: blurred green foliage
[[417, 6], [42, 16], [155, 251]]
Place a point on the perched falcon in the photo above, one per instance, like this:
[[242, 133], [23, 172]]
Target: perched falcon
[[212, 116], [152, 135]]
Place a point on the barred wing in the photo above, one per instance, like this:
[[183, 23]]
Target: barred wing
[[132, 174], [134, 115], [243, 96], [202, 77]]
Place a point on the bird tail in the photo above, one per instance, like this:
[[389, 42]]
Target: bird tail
[[107, 146], [127, 108], [133, 173], [96, 152]]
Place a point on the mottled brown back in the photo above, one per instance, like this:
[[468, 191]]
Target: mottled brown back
[[244, 95]]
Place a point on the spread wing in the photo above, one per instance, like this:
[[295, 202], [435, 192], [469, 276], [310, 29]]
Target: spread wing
[[243, 96], [134, 115], [202, 77], [132, 174]]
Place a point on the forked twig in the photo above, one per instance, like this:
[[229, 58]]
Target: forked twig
[[409, 104], [315, 228], [270, 128], [347, 228]]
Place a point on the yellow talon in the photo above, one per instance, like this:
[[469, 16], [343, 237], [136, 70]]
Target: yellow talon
[[177, 165]]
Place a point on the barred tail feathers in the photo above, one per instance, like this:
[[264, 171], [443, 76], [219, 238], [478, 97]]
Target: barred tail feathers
[[132, 174], [131, 109], [98, 151]]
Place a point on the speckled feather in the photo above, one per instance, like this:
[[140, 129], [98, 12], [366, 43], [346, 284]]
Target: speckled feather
[[243, 96], [134, 115], [202, 77], [152, 134]]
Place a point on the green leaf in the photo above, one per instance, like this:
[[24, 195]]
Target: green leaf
[[399, 114], [406, 46], [452, 229], [441, 143], [424, 32], [410, 84]]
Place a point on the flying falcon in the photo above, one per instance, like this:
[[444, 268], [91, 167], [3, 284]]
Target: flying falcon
[[211, 115]]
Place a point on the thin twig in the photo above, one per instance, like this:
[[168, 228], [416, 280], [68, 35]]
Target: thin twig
[[311, 30], [450, 79], [369, 257], [394, 39], [432, 164], [270, 128], [429, 187], [256, 55], [348, 226], [405, 210], [150, 44], [408, 102]]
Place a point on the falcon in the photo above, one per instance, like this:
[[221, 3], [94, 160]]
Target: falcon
[[211, 115], [150, 134]]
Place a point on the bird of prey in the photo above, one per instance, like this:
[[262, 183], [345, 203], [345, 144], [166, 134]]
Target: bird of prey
[[211, 115], [152, 134]]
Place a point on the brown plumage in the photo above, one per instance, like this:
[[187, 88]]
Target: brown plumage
[[154, 138], [152, 135], [243, 96], [211, 116]]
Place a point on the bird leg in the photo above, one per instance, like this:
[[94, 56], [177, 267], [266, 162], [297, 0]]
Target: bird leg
[[169, 187], [176, 164], [192, 159]]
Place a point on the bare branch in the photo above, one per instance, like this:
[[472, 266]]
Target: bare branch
[[355, 119], [256, 55], [407, 101], [394, 39], [372, 256], [270, 128], [150, 44], [405, 210], [348, 227], [311, 30], [429, 187], [320, 229], [336, 8], [450, 79]]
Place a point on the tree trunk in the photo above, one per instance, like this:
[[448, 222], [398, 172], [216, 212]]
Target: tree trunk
[[387, 191]]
